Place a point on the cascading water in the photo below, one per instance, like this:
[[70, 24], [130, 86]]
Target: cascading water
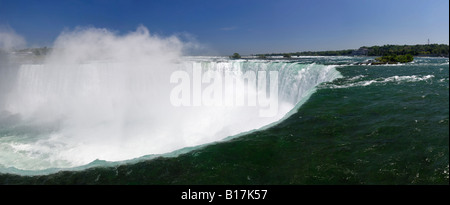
[[103, 96]]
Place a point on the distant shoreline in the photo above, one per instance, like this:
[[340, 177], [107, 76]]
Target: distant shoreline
[[431, 50], [428, 50]]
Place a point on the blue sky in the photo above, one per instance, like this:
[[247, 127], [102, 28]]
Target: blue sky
[[244, 26]]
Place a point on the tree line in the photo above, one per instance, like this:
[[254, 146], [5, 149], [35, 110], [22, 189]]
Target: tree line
[[386, 50], [429, 49]]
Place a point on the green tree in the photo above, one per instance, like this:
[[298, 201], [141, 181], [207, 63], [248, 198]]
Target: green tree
[[235, 56], [409, 57]]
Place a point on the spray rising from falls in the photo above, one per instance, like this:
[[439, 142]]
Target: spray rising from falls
[[102, 96]]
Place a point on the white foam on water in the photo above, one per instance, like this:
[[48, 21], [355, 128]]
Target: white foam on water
[[392, 79]]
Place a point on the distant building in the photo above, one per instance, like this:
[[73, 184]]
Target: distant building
[[361, 52]]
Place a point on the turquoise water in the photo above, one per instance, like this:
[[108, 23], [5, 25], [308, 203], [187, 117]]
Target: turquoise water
[[384, 124]]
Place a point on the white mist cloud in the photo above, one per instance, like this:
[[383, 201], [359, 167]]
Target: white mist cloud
[[9, 39], [87, 44]]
